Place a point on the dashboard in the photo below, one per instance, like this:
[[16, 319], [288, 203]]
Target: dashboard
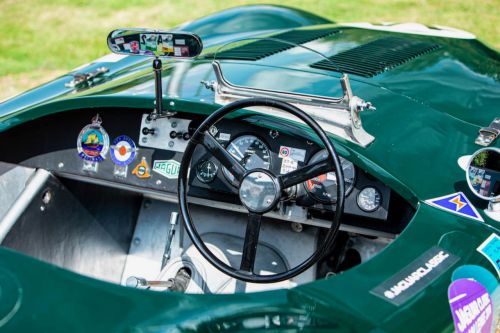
[[144, 156]]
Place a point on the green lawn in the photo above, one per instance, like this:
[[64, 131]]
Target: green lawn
[[43, 39]]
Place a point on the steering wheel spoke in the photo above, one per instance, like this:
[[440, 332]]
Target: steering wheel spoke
[[222, 155], [307, 172], [251, 241]]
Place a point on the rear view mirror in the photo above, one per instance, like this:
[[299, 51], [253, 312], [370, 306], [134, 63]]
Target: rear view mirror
[[154, 43], [483, 174]]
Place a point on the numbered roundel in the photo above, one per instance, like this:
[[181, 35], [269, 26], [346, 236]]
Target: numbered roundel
[[93, 143], [123, 150]]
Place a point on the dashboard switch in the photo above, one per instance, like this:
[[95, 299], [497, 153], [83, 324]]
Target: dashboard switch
[[147, 131], [179, 135]]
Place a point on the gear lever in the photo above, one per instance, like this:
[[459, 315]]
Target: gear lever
[[174, 216]]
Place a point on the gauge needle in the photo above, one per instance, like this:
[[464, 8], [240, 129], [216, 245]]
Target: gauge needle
[[237, 150]]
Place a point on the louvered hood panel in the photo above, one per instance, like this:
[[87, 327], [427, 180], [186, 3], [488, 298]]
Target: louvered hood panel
[[377, 56], [258, 49]]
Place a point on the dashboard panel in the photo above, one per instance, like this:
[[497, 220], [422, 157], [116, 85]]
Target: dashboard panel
[[51, 143]]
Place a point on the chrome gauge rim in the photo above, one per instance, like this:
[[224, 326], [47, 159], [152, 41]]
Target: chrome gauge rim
[[234, 149], [348, 180]]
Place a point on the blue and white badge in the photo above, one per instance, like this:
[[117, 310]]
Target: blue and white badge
[[123, 152], [490, 248], [456, 203]]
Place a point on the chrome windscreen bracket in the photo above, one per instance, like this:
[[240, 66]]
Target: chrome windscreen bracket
[[488, 134], [339, 116]]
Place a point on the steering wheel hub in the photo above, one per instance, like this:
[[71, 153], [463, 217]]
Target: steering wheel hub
[[259, 191]]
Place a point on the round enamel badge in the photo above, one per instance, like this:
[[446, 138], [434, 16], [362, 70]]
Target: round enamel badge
[[93, 141], [123, 150]]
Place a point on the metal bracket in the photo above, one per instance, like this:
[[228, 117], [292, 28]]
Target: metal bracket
[[488, 134], [85, 79], [337, 115]]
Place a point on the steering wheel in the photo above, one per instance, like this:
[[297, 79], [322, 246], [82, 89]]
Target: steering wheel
[[259, 191]]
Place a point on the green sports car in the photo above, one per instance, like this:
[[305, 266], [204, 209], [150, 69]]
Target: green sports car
[[259, 169]]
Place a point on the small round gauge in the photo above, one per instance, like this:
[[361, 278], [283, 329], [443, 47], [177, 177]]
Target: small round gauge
[[323, 188], [251, 152], [206, 171], [369, 199]]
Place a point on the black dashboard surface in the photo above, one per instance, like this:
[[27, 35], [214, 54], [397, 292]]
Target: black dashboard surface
[[50, 143]]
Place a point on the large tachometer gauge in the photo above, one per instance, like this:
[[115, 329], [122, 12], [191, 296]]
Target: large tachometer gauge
[[324, 187], [251, 152]]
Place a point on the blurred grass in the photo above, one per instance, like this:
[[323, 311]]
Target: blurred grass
[[43, 39]]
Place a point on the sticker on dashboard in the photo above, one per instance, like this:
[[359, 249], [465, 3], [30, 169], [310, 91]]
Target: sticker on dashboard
[[167, 168], [224, 136], [92, 144], [123, 151], [288, 164], [415, 276], [142, 169], [297, 154]]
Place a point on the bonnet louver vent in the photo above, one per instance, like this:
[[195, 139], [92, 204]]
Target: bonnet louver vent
[[376, 57], [264, 48]]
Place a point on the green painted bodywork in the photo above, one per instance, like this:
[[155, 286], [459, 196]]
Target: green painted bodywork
[[429, 111]]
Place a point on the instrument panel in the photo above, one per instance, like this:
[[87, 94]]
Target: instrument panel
[[123, 149], [261, 147]]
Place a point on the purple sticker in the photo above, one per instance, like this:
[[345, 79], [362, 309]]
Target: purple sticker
[[471, 306]]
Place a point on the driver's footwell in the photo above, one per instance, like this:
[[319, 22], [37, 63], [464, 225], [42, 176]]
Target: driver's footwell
[[112, 235], [280, 248]]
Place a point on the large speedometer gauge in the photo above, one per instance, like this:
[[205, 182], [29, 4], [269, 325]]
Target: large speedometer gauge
[[251, 152], [324, 187]]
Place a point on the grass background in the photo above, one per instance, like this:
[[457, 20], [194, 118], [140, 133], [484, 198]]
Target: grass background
[[44, 39]]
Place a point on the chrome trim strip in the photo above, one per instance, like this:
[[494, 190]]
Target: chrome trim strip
[[17, 209]]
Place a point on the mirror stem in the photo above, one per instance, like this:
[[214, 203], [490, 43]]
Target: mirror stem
[[157, 65]]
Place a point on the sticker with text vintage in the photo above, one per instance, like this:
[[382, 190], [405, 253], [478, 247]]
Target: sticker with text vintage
[[471, 306], [167, 168], [456, 203], [415, 276], [142, 169], [490, 248]]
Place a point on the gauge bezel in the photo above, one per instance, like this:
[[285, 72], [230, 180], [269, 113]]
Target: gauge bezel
[[259, 138], [197, 171], [348, 190], [379, 194]]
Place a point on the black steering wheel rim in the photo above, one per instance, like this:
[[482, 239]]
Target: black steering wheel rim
[[202, 136]]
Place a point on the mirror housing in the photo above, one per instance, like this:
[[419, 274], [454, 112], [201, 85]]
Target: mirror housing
[[483, 174], [154, 43]]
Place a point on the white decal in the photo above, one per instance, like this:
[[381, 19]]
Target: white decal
[[419, 273], [294, 153], [287, 165], [224, 136]]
